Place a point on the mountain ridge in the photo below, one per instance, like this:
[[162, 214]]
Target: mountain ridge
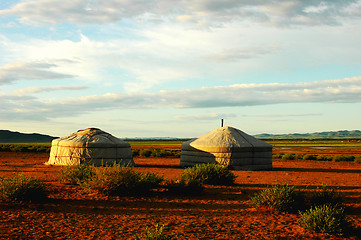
[[342, 134], [7, 136]]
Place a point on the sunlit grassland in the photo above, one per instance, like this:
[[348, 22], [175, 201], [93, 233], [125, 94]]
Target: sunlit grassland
[[155, 143], [315, 143]]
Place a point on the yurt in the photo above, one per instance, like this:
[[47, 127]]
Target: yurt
[[230, 147], [91, 146]]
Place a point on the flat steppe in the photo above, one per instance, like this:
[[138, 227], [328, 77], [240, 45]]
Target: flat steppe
[[218, 213]]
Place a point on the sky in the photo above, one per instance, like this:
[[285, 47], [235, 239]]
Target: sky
[[174, 68]]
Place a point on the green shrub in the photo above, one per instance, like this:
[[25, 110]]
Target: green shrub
[[324, 158], [76, 174], [325, 219], [325, 195], [135, 152], [155, 153], [341, 158], [182, 187], [213, 174], [156, 234], [309, 157], [357, 159], [289, 157], [283, 198], [22, 188], [145, 152], [119, 180]]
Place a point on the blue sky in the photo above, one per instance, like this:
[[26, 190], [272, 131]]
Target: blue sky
[[145, 68]]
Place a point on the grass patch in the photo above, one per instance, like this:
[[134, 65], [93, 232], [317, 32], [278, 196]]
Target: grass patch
[[183, 187], [283, 198], [147, 152], [76, 174], [156, 234], [22, 188], [213, 174], [326, 218], [357, 159], [120, 180], [25, 147], [325, 195]]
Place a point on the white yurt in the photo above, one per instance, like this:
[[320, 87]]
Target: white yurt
[[230, 147], [90, 146]]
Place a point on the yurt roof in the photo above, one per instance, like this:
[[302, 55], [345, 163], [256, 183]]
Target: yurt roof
[[90, 137], [225, 139]]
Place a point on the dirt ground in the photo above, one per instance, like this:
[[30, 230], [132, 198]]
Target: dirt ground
[[218, 213]]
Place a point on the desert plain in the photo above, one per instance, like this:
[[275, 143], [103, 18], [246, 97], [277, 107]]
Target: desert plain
[[220, 212]]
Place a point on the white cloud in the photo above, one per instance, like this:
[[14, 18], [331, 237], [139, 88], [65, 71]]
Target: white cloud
[[32, 90], [316, 9], [237, 54], [208, 116], [29, 71], [201, 13], [331, 91]]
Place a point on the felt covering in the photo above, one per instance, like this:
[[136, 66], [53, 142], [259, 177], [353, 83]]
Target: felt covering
[[91, 146]]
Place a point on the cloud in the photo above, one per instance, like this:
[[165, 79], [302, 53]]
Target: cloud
[[32, 90], [237, 54], [208, 116], [346, 90], [28, 71], [282, 115], [201, 13]]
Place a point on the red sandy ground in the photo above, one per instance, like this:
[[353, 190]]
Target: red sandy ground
[[218, 213]]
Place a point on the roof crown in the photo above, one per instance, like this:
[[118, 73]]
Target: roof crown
[[227, 138]]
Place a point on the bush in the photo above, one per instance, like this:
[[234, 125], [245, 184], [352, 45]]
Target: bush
[[324, 158], [76, 174], [145, 152], [357, 159], [155, 153], [119, 180], [22, 188], [325, 219], [339, 158], [180, 186], [283, 198], [135, 152], [324, 196], [289, 157], [309, 157], [157, 234], [213, 174]]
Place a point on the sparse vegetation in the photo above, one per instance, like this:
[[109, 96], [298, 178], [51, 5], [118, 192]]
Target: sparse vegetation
[[283, 198], [325, 195], [325, 219], [156, 234], [25, 147], [357, 159], [343, 158], [309, 157], [183, 187], [22, 188], [335, 158], [213, 174], [147, 152], [120, 180], [76, 174]]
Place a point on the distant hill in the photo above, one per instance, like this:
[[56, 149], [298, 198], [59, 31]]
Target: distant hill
[[344, 134], [7, 136]]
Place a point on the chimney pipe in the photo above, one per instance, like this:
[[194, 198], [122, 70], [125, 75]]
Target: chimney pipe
[[222, 122]]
